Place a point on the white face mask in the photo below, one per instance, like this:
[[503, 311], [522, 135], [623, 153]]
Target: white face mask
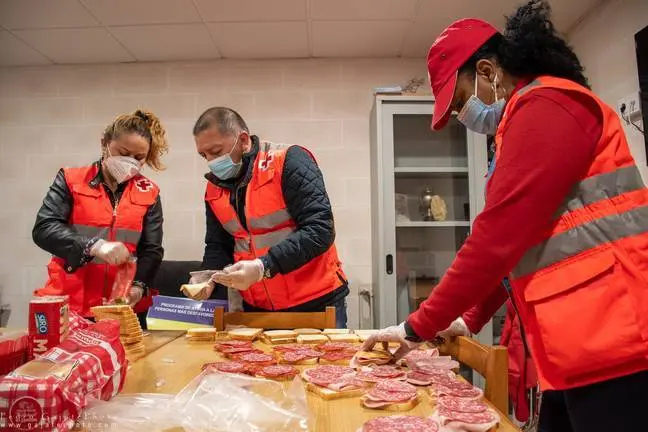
[[122, 168]]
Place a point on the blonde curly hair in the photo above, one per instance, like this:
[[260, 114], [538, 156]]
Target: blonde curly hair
[[147, 125]]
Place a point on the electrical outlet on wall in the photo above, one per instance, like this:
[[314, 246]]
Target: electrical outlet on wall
[[629, 108]]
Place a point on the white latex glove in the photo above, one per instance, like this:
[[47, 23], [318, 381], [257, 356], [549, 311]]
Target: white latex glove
[[114, 253], [391, 334], [457, 328], [135, 295], [241, 275]]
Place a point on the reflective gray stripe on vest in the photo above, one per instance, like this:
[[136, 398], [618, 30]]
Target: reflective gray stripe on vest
[[121, 234], [241, 245], [91, 231], [582, 238], [526, 88], [262, 241], [233, 226], [602, 186], [270, 220]]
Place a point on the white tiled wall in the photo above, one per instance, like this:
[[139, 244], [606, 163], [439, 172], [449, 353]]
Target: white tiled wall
[[604, 42], [52, 117]]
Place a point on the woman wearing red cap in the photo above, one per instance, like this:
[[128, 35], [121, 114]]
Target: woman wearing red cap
[[566, 219]]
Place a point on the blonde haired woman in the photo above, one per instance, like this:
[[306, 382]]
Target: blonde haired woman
[[95, 218]]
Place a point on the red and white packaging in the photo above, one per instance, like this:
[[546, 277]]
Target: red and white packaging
[[13, 350], [49, 393], [77, 322], [48, 323]]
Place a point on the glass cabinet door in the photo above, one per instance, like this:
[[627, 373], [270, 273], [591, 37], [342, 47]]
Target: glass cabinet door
[[432, 201]]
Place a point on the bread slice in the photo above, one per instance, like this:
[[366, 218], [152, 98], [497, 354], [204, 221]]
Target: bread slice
[[395, 407], [128, 339], [277, 341], [245, 333], [279, 334], [352, 338], [307, 331], [336, 331], [206, 334], [191, 290], [312, 338], [117, 309], [328, 394]]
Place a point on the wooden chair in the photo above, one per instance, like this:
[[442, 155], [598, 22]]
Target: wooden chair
[[490, 361], [275, 320]]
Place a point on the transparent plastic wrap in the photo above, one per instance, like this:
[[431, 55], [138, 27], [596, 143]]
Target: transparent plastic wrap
[[123, 279], [211, 402], [234, 298]]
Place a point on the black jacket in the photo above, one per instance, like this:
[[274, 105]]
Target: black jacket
[[308, 205], [53, 232]]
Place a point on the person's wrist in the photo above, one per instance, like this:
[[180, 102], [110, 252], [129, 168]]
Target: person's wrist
[[268, 271], [410, 334]]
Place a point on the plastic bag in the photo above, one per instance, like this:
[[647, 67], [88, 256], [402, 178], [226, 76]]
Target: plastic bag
[[234, 298], [123, 280], [211, 402]]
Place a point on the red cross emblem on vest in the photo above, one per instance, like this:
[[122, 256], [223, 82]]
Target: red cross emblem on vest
[[264, 164], [144, 185]]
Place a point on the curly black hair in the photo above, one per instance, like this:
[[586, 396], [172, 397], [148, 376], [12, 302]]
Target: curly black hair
[[530, 46]]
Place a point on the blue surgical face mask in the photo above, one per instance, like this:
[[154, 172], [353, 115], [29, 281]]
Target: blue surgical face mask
[[224, 167], [480, 117]]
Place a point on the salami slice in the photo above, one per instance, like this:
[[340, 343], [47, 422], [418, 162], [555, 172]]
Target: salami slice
[[274, 371], [232, 343], [387, 372], [434, 363], [295, 356], [400, 423], [235, 349], [329, 370], [337, 355], [369, 377], [257, 358], [238, 355], [462, 391], [486, 416], [291, 347], [379, 395], [336, 346], [416, 355], [227, 367], [457, 404], [395, 387], [418, 378]]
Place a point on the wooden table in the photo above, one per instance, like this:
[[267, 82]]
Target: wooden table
[[155, 339], [172, 366]]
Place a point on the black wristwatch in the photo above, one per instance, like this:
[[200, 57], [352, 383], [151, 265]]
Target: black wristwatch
[[268, 267], [410, 334]]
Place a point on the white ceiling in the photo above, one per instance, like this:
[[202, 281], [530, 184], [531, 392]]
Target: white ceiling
[[38, 32]]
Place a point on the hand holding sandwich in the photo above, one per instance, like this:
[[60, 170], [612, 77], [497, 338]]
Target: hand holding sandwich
[[393, 334], [241, 275]]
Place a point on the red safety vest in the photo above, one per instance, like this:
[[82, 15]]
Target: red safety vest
[[582, 289], [93, 216], [269, 223]]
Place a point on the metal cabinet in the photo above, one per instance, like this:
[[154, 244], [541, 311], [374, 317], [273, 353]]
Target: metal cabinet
[[413, 246]]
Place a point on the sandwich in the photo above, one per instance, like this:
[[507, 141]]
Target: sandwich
[[333, 382], [305, 356], [350, 337], [192, 290], [335, 331], [201, 334], [244, 333], [307, 331], [391, 395], [377, 357], [312, 338], [277, 337]]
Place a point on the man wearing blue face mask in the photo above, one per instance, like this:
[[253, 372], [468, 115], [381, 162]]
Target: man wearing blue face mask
[[269, 221]]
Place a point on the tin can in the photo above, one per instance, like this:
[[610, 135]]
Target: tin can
[[48, 323]]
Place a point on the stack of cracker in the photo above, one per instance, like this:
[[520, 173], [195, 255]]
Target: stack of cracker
[[130, 331]]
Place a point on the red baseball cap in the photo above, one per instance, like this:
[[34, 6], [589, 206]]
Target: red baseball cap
[[447, 54]]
